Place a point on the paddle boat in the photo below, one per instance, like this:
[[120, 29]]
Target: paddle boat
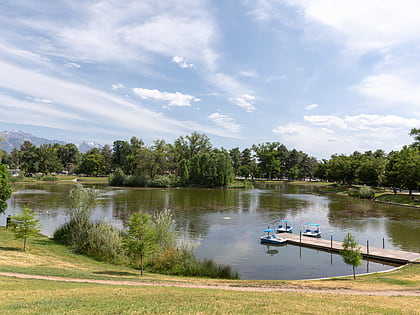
[[272, 238], [284, 226], [312, 230]]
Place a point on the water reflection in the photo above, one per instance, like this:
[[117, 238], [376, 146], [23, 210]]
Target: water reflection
[[229, 222]]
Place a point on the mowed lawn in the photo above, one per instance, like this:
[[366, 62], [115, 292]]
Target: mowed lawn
[[44, 257]]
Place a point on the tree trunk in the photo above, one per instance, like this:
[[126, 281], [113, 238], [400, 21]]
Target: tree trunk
[[354, 273], [141, 265], [24, 244]]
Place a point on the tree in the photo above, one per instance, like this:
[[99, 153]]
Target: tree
[[29, 163], [5, 189], [267, 157], [26, 225], [403, 169], [68, 155], [141, 240], [415, 133], [92, 164], [351, 253]]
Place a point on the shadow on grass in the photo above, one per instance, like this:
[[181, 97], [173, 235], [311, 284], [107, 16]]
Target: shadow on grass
[[14, 249], [116, 273]]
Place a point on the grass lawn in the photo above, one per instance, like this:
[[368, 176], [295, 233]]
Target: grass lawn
[[403, 199], [45, 257]]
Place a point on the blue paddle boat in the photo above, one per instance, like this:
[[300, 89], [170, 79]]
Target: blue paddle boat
[[284, 226], [311, 230], [272, 238]]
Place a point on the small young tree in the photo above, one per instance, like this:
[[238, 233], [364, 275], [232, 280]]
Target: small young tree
[[351, 253], [26, 225], [141, 239]]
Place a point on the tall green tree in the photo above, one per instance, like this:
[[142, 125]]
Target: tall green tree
[[5, 189], [141, 238], [415, 133], [26, 225], [404, 168], [351, 253], [267, 158], [69, 156], [29, 162]]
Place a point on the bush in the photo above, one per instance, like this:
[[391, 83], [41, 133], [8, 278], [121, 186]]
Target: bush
[[105, 243], [182, 262], [366, 192], [118, 178], [98, 240], [137, 181], [49, 178], [164, 181]]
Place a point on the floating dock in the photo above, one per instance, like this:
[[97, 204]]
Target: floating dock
[[396, 256]]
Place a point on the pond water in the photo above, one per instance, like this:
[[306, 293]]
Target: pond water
[[227, 223]]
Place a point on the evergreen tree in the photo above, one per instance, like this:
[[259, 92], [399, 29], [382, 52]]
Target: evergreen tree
[[25, 225], [141, 239]]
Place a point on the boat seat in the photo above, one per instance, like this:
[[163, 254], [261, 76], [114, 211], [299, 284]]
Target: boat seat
[[308, 230]]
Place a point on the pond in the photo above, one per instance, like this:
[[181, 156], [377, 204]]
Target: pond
[[227, 223]]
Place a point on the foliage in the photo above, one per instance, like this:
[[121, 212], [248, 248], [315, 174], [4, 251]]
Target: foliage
[[182, 262], [141, 237], [366, 192], [118, 178], [49, 178], [5, 189], [351, 253], [96, 239], [25, 225]]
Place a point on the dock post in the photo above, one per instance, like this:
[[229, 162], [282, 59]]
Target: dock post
[[331, 243], [300, 237], [367, 243], [383, 242]]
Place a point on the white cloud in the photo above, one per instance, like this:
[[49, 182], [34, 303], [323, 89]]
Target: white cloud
[[312, 106], [175, 99], [393, 90], [117, 86], [245, 101], [182, 63], [322, 142], [72, 65], [109, 30], [90, 104], [39, 100], [365, 25], [364, 122], [225, 121]]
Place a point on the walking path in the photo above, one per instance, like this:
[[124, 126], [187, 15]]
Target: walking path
[[262, 288]]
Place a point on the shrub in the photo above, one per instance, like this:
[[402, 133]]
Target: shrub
[[118, 178], [49, 178], [105, 243], [182, 262], [164, 181], [366, 192]]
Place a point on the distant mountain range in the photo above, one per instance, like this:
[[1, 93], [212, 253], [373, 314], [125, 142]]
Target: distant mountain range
[[15, 138]]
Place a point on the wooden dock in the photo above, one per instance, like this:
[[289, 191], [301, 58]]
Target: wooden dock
[[396, 256]]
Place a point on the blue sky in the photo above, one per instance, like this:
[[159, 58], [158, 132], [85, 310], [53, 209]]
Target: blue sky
[[321, 76]]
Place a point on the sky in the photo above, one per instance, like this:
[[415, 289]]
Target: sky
[[320, 76]]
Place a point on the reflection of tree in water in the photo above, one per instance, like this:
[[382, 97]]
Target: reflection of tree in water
[[405, 235]]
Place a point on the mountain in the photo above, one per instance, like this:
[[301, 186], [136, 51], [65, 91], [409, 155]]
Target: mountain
[[15, 138]]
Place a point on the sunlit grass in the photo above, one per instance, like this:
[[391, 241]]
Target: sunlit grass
[[45, 257]]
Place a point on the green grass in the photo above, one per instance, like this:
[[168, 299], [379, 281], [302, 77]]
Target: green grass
[[45, 257], [403, 199]]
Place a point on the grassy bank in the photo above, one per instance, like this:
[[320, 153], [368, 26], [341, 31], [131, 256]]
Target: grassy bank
[[44, 257]]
